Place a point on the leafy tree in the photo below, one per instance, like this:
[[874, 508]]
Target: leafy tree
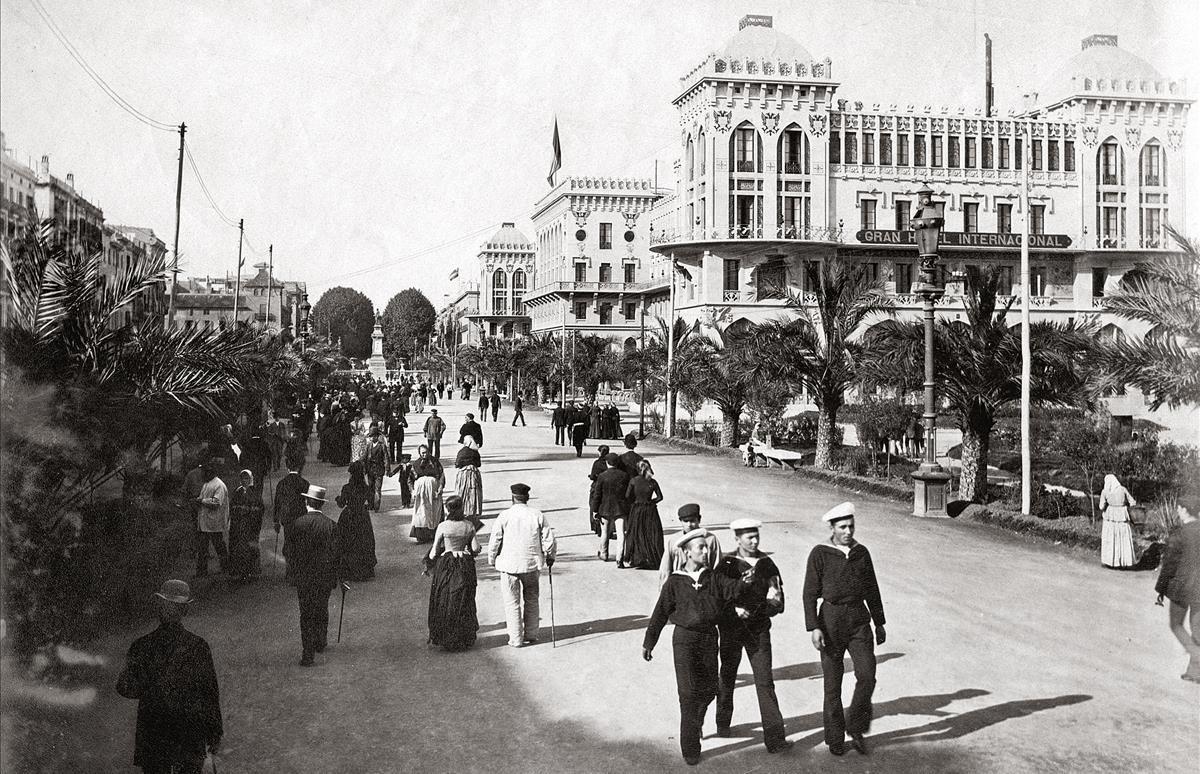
[[655, 365], [977, 366], [408, 320], [593, 362], [818, 350], [1165, 294], [346, 316]]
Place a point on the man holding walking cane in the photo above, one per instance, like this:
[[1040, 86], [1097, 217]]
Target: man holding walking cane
[[315, 559], [522, 543]]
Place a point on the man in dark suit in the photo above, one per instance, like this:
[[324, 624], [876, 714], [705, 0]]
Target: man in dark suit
[[170, 672], [289, 505], [558, 420], [471, 429], [494, 402], [315, 554], [630, 459], [608, 502], [598, 467]]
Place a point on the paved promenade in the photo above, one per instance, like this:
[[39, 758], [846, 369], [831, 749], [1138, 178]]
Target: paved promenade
[[1002, 655]]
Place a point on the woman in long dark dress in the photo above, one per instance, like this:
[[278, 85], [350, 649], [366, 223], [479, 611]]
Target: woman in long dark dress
[[356, 535], [337, 444], [643, 534], [453, 623], [245, 524]]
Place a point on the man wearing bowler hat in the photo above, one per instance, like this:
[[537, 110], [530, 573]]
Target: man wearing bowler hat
[[841, 575], [522, 543], [170, 672], [315, 560], [748, 627]]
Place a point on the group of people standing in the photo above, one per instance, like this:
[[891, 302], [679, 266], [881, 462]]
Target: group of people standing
[[575, 422]]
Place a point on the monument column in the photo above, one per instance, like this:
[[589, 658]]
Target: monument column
[[376, 364]]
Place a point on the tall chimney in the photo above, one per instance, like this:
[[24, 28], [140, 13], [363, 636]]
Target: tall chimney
[[988, 94]]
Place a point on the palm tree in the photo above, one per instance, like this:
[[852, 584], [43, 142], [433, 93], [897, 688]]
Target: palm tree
[[656, 360], [593, 362], [818, 350], [539, 355], [718, 365], [977, 366], [1165, 294]]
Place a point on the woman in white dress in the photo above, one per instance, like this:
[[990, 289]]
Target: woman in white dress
[[1116, 537]]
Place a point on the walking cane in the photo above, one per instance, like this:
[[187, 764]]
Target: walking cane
[[342, 612], [553, 638], [275, 563]]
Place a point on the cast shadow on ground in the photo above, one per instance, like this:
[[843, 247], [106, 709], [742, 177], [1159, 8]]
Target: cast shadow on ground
[[583, 629], [494, 471], [805, 671]]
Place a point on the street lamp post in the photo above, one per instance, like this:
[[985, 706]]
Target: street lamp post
[[929, 480]]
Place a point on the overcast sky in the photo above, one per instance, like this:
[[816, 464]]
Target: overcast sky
[[377, 144]]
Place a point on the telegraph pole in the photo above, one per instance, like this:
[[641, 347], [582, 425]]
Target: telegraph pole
[[270, 280], [237, 277], [670, 418], [178, 202], [642, 379]]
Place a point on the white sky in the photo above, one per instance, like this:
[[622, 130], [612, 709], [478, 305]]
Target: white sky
[[354, 135]]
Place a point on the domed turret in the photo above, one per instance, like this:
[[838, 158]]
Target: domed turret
[[508, 238], [1101, 68]]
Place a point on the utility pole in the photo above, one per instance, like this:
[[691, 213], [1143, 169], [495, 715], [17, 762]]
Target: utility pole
[[562, 394], [178, 202], [642, 379], [1026, 353], [270, 280], [237, 277], [670, 418]]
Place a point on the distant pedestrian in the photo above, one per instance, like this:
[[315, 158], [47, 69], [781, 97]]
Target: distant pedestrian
[[170, 672], [840, 574], [394, 427], [608, 501], [453, 620], [748, 628], [695, 599], [471, 429], [245, 524], [483, 404], [212, 521], [518, 411], [288, 505], [355, 532], [579, 429], [315, 555], [466, 390], [494, 402], [1116, 536], [630, 458], [429, 479], [377, 463], [558, 420], [522, 542], [469, 483], [441, 388], [1179, 581], [598, 466], [643, 536], [435, 427]]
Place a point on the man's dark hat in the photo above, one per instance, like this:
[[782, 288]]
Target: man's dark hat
[[612, 458], [470, 415], [520, 489], [630, 440], [689, 511]]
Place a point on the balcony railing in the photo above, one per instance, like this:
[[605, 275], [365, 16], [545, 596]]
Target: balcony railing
[[746, 166], [739, 296], [1152, 180], [798, 233], [1109, 179], [599, 287], [793, 168]]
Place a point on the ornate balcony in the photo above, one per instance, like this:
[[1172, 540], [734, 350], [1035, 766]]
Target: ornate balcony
[[735, 233]]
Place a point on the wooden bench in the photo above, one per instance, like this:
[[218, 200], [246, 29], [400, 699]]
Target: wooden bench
[[783, 457]]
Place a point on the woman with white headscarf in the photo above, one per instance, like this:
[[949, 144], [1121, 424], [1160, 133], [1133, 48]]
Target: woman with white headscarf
[[428, 482], [245, 523], [469, 482], [1116, 537]]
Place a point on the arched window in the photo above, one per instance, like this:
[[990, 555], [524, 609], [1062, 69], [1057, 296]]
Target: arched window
[[1110, 194], [630, 344], [499, 292], [701, 156], [518, 291], [745, 202], [793, 161], [1152, 196], [745, 149], [690, 159]]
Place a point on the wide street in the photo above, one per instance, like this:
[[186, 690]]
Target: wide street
[[1002, 655]]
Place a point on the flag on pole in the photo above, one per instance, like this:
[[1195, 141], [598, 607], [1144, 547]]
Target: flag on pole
[[556, 162], [687, 275]]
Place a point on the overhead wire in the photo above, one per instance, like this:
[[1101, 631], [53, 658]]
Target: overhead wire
[[204, 188], [109, 91]]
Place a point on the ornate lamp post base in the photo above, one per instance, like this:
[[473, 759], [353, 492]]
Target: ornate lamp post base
[[930, 482]]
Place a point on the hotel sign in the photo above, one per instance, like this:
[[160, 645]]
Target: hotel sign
[[963, 239]]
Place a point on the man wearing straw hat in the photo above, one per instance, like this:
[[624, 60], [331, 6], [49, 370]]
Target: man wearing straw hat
[[315, 559], [840, 573], [170, 672]]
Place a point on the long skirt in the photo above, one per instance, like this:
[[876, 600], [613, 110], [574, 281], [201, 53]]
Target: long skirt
[[643, 537], [1116, 543], [469, 485], [356, 539], [427, 508], [452, 618], [358, 447]]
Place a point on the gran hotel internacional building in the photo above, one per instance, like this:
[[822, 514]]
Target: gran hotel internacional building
[[779, 172]]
